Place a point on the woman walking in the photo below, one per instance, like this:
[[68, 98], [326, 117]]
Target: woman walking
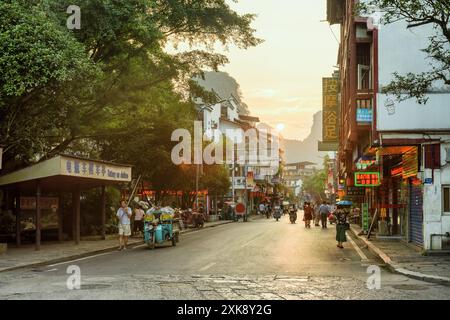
[[308, 214], [341, 225]]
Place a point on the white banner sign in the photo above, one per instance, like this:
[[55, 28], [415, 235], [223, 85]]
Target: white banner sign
[[93, 169]]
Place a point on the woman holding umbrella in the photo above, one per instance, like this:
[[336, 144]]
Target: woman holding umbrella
[[341, 222]]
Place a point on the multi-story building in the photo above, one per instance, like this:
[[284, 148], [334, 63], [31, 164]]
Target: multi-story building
[[249, 174], [398, 151], [295, 173]]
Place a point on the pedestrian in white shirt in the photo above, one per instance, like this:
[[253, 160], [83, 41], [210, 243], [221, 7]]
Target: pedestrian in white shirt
[[124, 215]]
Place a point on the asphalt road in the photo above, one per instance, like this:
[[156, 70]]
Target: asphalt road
[[260, 259]]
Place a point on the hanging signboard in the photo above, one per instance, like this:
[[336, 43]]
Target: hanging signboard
[[330, 116], [397, 171], [355, 191], [364, 164], [93, 169], [410, 162], [250, 180], [364, 115], [365, 216], [367, 179]]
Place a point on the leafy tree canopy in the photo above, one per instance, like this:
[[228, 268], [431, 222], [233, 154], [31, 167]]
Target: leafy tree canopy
[[418, 13]]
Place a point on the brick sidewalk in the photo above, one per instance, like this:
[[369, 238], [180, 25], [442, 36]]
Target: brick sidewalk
[[54, 252], [408, 260]]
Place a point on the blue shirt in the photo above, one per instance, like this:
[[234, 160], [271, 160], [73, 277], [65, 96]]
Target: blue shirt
[[324, 209], [123, 216]]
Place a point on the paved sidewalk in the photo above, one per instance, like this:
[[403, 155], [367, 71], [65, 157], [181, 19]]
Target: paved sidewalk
[[55, 252], [408, 260]]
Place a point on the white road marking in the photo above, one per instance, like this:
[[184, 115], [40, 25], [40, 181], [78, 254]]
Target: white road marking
[[357, 249], [257, 237], [249, 242], [207, 266], [67, 262], [51, 270]]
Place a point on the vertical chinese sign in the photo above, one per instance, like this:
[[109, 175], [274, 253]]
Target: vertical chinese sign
[[250, 181], [330, 114], [365, 216]]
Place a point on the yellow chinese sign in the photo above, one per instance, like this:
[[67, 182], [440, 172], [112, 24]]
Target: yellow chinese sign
[[330, 87]]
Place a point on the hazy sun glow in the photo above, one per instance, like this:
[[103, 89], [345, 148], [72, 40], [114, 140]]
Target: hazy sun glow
[[281, 79], [280, 127]]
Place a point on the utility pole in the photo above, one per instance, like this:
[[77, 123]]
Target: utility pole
[[197, 169], [196, 186], [232, 178]]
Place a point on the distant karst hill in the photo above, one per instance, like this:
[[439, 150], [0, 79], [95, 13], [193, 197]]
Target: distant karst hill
[[225, 86], [306, 150]]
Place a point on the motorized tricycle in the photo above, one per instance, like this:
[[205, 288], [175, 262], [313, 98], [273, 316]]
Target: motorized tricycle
[[159, 227]]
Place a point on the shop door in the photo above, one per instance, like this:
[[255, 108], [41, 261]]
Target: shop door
[[416, 215]]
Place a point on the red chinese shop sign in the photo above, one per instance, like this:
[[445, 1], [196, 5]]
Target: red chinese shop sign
[[367, 179]]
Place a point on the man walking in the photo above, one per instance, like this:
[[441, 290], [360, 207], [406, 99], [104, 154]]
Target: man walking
[[324, 211], [124, 215]]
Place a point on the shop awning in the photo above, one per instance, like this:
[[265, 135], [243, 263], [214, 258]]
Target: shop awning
[[63, 172], [395, 150]]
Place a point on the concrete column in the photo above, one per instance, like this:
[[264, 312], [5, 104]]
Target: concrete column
[[103, 212], [76, 213], [60, 218], [38, 215], [17, 213]]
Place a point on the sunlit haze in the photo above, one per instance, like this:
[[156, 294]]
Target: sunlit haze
[[281, 78]]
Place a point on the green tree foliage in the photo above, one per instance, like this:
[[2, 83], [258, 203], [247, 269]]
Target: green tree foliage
[[109, 89], [418, 13], [316, 184], [216, 179], [38, 59]]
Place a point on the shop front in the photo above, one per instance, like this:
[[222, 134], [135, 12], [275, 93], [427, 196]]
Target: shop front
[[401, 193], [34, 195]]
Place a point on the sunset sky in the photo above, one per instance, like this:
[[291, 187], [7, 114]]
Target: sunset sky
[[281, 78]]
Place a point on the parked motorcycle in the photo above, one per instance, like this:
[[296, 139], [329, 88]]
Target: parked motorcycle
[[198, 219], [277, 212], [292, 215], [193, 219]]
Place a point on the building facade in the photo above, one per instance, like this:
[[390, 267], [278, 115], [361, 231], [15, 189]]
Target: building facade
[[397, 153], [295, 173], [252, 179]]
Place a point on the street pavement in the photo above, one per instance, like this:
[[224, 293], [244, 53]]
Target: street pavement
[[260, 259]]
